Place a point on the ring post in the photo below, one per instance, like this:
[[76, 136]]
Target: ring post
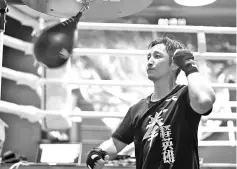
[[3, 11]]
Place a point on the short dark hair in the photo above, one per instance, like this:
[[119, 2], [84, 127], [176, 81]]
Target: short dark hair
[[171, 46]]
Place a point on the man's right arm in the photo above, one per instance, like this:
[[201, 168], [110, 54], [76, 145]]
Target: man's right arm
[[112, 146]]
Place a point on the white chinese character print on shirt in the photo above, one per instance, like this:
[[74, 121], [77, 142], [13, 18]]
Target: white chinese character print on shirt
[[173, 98], [167, 144], [155, 127]]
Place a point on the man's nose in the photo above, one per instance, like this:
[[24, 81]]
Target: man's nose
[[150, 62], [149, 65]]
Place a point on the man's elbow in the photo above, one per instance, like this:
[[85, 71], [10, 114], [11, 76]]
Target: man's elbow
[[206, 102]]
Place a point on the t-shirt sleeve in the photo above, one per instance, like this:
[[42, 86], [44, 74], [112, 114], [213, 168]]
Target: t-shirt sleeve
[[188, 102], [124, 132]]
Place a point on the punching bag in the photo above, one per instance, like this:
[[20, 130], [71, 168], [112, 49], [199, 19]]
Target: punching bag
[[53, 47]]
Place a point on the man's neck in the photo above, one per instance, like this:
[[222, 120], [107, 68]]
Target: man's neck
[[162, 88]]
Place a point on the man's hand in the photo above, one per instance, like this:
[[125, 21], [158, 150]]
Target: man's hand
[[96, 159], [185, 60]]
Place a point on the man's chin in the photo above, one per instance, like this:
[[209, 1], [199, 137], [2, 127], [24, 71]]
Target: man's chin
[[152, 78]]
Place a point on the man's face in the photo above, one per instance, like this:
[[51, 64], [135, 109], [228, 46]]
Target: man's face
[[158, 62]]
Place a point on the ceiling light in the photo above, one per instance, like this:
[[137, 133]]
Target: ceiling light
[[194, 2]]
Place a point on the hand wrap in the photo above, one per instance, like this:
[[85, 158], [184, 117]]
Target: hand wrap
[[185, 60], [93, 156]]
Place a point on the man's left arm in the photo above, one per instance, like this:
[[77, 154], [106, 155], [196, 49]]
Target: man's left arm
[[200, 92]]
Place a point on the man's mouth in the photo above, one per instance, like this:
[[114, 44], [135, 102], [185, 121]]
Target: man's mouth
[[149, 69]]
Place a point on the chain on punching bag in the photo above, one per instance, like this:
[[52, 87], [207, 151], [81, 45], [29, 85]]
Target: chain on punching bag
[[54, 45]]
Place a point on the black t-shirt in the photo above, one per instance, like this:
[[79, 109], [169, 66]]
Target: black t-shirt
[[164, 132]]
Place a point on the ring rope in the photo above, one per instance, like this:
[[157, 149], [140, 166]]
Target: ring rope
[[216, 143], [40, 81], [30, 79], [27, 48], [20, 110], [217, 165], [101, 114], [152, 28], [23, 110], [123, 83], [124, 53]]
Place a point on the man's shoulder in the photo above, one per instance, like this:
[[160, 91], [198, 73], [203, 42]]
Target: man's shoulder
[[142, 103], [179, 90], [181, 87]]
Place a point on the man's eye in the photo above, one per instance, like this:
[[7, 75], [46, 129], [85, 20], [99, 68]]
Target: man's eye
[[157, 56], [148, 57]]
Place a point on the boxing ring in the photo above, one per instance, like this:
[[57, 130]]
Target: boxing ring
[[29, 79]]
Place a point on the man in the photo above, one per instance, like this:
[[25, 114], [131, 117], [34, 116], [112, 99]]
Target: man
[[164, 125]]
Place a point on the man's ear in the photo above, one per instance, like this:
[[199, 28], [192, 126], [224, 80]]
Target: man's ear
[[174, 67]]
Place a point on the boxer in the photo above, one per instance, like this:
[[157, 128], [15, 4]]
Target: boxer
[[164, 125]]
